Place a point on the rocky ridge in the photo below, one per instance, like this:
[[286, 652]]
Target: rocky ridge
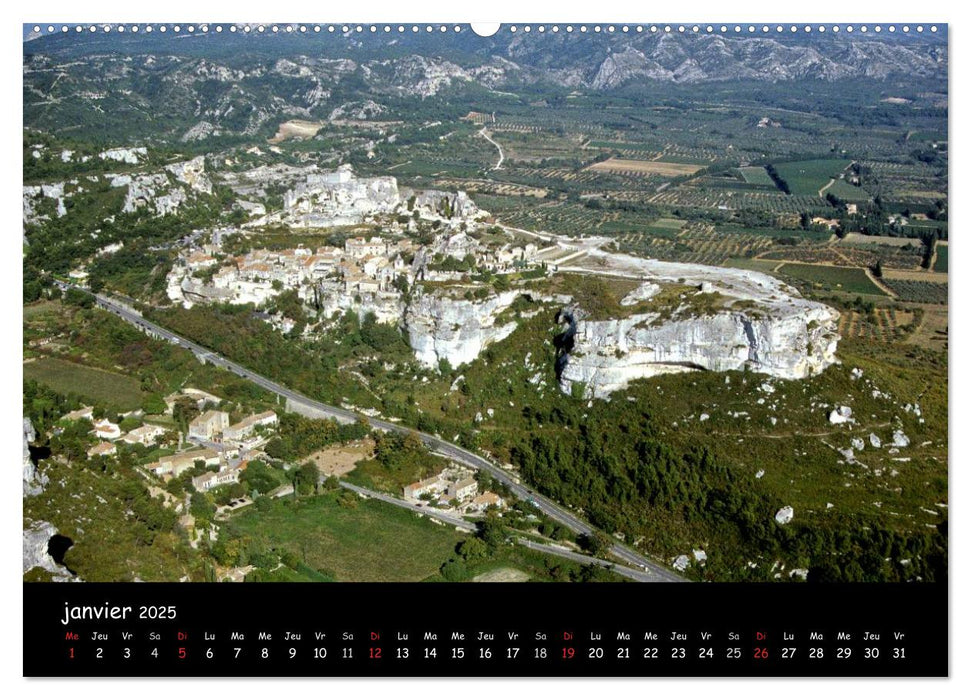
[[755, 322], [253, 91]]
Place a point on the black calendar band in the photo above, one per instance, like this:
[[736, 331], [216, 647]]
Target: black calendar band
[[351, 630]]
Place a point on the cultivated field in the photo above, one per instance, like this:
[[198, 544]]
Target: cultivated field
[[884, 324], [940, 258], [96, 385], [918, 290], [756, 176], [808, 177], [852, 280], [645, 167], [367, 541]]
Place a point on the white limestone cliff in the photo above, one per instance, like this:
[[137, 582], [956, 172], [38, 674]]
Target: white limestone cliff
[[36, 539], [772, 331], [440, 327], [609, 354], [157, 191], [34, 481], [338, 198]]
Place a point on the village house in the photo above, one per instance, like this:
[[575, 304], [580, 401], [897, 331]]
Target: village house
[[244, 428], [174, 465], [83, 413], [359, 248], [211, 480], [103, 449], [463, 489], [324, 262], [106, 430], [145, 435], [225, 277], [484, 501], [198, 260], [433, 485], [209, 425]]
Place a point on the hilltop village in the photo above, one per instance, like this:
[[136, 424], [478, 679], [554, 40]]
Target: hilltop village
[[446, 274]]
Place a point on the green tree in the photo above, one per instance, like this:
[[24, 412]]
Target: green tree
[[454, 570], [492, 532], [472, 549], [597, 543], [154, 404], [309, 477]]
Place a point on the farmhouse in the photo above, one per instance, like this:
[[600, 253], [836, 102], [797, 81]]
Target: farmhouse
[[83, 413], [200, 397], [483, 501], [211, 480], [823, 221]]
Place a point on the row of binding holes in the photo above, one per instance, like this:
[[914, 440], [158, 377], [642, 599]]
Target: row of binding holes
[[569, 28], [262, 29]]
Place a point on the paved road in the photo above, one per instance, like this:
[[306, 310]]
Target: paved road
[[431, 513], [435, 444], [460, 523], [635, 574]]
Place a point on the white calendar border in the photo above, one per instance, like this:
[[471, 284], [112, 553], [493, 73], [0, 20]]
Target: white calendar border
[[442, 11]]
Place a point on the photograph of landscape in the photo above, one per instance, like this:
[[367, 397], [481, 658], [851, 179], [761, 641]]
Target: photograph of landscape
[[620, 303]]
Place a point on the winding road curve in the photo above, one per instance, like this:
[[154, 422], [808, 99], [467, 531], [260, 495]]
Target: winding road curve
[[653, 571], [485, 134]]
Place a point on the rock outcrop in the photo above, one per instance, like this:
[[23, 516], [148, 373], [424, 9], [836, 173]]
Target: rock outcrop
[[37, 554], [747, 320], [34, 481], [158, 192], [339, 198], [609, 354], [450, 204], [192, 173], [35, 194], [131, 156], [440, 327]]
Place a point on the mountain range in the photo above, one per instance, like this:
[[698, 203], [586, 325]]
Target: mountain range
[[236, 81]]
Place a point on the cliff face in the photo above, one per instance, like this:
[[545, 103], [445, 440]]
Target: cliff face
[[441, 327], [607, 355], [34, 482], [757, 323]]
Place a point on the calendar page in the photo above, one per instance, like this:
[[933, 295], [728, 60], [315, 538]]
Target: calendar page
[[485, 350]]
